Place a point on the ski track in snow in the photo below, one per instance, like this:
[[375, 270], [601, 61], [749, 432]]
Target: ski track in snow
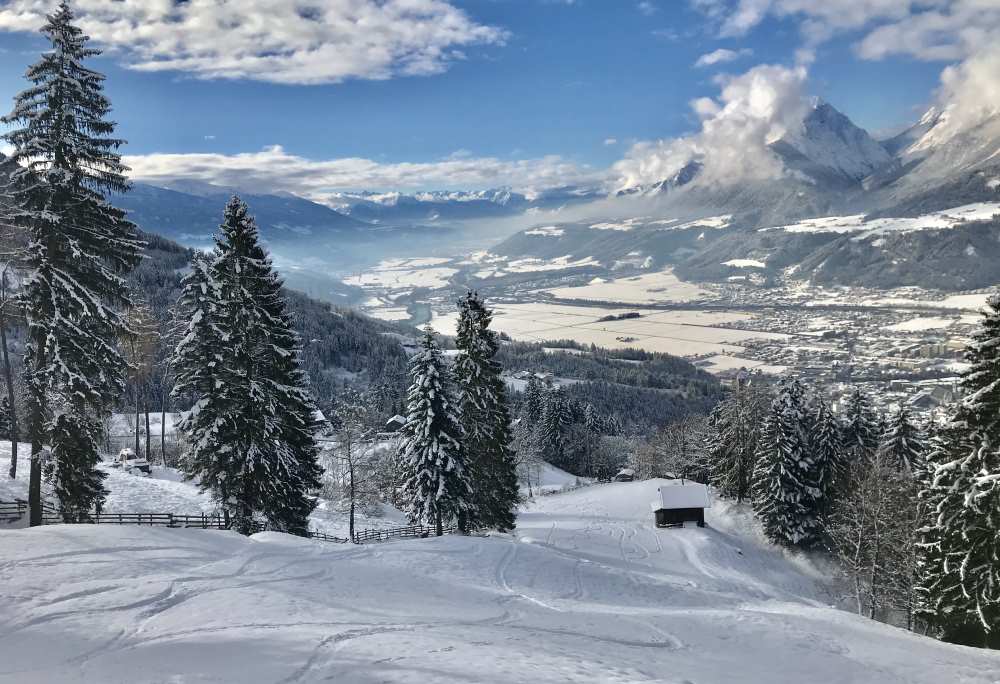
[[585, 590]]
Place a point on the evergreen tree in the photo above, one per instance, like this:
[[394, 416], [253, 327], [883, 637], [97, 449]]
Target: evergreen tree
[[786, 496], [197, 361], [486, 423], [860, 435], [902, 446], [827, 449], [554, 426], [257, 413], [80, 248], [534, 399], [734, 430], [936, 596], [5, 419], [437, 486], [77, 482], [969, 508]]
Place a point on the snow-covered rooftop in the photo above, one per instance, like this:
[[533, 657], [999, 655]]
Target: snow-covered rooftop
[[682, 494]]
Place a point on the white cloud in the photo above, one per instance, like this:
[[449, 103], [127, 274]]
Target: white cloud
[[721, 56], [273, 169], [821, 19], [964, 32], [960, 30], [751, 111], [969, 93], [610, 141], [281, 41], [647, 8]]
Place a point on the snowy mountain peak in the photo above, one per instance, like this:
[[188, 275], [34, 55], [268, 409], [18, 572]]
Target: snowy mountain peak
[[829, 140]]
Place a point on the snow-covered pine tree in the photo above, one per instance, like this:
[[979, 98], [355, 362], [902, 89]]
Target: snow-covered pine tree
[[196, 361], [734, 430], [486, 423], [936, 596], [554, 425], [5, 419], [80, 248], [902, 445], [437, 486], [860, 435], [268, 464], [76, 481], [786, 497], [534, 400], [827, 449], [969, 510]]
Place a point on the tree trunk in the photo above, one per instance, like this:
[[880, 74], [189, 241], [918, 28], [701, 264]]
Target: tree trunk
[[440, 528], [9, 379], [350, 474], [163, 426], [136, 390], [36, 431], [149, 454]]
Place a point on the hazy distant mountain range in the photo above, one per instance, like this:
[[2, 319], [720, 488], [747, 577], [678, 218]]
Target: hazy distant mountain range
[[916, 209], [831, 168]]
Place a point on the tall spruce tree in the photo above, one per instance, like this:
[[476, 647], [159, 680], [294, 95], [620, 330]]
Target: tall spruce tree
[[902, 445], [554, 426], [860, 437], [437, 488], [80, 249], [252, 428], [534, 397], [936, 595], [969, 508], [786, 495], [826, 445], [486, 422], [197, 360], [734, 429]]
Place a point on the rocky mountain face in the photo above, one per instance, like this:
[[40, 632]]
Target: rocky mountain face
[[921, 208]]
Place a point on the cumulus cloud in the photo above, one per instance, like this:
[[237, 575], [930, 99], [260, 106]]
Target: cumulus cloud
[[964, 32], [273, 169], [721, 56], [281, 41], [969, 93], [752, 111]]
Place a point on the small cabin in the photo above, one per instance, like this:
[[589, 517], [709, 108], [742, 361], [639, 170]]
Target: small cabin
[[680, 502], [395, 424], [624, 475]]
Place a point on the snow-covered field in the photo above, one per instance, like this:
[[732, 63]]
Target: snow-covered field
[[949, 218], [587, 590], [647, 288], [682, 332], [405, 273]]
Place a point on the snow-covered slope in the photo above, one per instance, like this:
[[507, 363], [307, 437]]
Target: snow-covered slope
[[166, 491], [586, 591]]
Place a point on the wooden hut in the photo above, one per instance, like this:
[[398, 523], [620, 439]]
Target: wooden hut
[[679, 502]]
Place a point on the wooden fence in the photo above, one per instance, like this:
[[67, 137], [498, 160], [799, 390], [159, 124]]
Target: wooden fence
[[409, 532], [12, 511]]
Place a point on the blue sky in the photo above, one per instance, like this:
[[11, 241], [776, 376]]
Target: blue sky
[[535, 79]]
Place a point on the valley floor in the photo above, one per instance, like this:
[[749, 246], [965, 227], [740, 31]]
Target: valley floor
[[586, 590]]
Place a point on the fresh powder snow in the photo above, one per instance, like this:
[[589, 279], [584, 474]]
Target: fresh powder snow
[[586, 590]]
